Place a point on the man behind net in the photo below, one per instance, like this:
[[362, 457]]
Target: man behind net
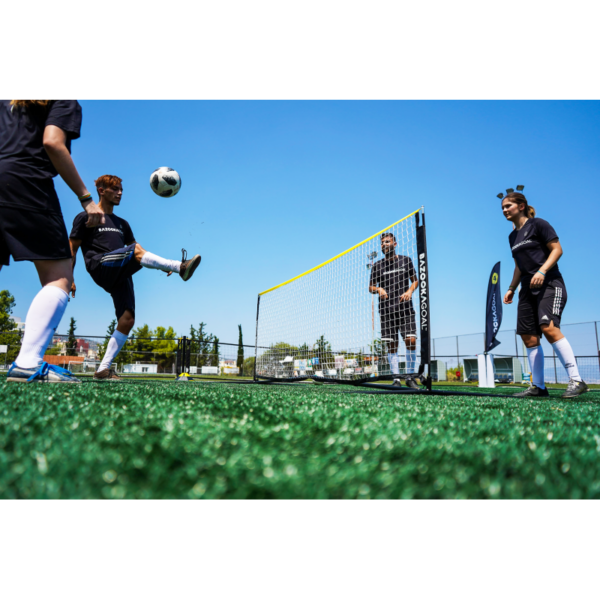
[[394, 279]]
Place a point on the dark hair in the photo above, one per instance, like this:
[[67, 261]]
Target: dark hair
[[519, 198], [388, 234]]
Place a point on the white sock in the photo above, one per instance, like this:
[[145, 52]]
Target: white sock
[[151, 261], [41, 322], [411, 359], [117, 339], [567, 358], [393, 360], [536, 364]]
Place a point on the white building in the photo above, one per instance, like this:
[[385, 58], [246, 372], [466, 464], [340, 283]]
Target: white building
[[19, 325], [140, 368]]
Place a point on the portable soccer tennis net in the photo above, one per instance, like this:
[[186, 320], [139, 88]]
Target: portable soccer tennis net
[[333, 324]]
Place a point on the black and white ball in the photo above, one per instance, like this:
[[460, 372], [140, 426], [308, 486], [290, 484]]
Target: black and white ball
[[165, 182]]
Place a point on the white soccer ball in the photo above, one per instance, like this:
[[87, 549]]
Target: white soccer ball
[[165, 182]]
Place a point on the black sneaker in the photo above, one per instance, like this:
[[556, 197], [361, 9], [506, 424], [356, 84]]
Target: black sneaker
[[397, 383], [575, 388], [411, 383], [188, 266], [533, 391]]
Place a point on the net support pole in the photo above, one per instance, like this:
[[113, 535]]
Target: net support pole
[[256, 338], [424, 300]]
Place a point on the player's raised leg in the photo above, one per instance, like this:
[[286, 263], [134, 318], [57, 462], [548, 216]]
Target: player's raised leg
[[185, 267]]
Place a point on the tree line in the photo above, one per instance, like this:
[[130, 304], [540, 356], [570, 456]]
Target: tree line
[[144, 344]]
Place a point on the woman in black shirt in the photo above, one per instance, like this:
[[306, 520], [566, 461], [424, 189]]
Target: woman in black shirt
[[543, 296], [35, 146]]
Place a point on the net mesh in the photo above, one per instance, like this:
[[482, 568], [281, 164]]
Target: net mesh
[[351, 318]]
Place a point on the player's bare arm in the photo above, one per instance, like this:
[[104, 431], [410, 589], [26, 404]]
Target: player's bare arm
[[556, 252], [378, 290], [514, 284], [75, 245], [55, 145], [411, 290]]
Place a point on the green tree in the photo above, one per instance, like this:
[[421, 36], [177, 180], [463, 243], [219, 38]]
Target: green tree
[[12, 340], [215, 351], [248, 370], [72, 340], [165, 347], [102, 347], [240, 354], [322, 350], [205, 347], [140, 348]]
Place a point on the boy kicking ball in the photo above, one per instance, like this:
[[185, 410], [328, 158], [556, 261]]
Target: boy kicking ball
[[112, 257]]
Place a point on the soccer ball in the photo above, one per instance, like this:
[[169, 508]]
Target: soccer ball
[[165, 182]]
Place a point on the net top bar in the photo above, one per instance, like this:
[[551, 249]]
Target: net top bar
[[340, 254]]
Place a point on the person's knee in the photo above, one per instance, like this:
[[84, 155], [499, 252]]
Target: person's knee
[[139, 252], [530, 341], [126, 322], [411, 343], [551, 332]]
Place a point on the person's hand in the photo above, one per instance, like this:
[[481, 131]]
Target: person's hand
[[537, 280], [406, 296], [95, 215], [382, 293], [73, 289], [508, 297]]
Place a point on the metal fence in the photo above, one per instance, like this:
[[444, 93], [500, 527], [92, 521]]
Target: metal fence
[[138, 355], [583, 337], [451, 350]]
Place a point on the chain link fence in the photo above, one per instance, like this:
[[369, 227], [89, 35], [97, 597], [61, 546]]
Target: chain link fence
[[159, 355], [142, 356], [583, 337]]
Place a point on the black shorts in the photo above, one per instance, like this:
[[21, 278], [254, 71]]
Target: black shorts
[[31, 221], [114, 274], [541, 306], [402, 320]]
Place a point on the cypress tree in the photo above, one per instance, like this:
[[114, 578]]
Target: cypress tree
[[240, 354], [72, 340]]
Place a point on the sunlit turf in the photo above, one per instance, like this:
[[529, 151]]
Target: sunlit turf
[[221, 440]]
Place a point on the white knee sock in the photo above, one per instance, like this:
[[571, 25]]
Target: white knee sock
[[536, 364], [567, 358], [151, 261], [411, 359], [41, 322], [117, 339], [393, 360]]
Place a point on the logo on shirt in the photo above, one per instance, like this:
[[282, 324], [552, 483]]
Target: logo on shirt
[[110, 229], [521, 244], [394, 271], [545, 318]]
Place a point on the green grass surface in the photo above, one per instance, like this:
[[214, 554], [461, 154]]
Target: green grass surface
[[217, 440]]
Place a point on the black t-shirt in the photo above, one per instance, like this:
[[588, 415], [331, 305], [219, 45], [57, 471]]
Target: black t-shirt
[[529, 248], [22, 135], [394, 276], [96, 241]]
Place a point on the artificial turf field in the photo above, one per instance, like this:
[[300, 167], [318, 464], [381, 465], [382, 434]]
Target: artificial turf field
[[156, 439]]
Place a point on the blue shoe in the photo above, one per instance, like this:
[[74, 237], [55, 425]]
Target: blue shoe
[[44, 373]]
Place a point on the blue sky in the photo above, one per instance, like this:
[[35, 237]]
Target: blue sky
[[270, 189]]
